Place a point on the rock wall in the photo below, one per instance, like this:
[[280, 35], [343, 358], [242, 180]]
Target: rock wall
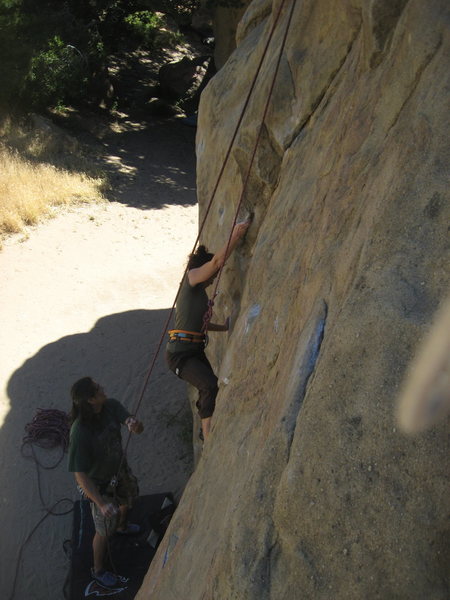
[[306, 488]]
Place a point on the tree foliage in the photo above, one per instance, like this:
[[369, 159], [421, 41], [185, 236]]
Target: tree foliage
[[52, 50]]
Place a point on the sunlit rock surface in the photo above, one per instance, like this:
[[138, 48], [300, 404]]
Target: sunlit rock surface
[[306, 488]]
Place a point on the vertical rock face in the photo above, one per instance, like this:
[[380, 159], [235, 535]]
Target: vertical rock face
[[306, 489]]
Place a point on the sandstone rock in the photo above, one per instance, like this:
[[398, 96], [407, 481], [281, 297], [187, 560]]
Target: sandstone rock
[[306, 489]]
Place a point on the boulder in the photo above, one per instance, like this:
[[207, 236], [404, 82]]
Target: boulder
[[179, 79]]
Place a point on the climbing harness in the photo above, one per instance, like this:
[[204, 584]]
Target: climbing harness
[[179, 335]]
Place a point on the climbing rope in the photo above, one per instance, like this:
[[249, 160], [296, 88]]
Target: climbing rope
[[50, 511], [48, 429], [213, 195], [209, 312]]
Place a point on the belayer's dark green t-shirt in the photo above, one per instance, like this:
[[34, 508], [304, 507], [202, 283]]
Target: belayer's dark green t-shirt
[[96, 448], [192, 305]]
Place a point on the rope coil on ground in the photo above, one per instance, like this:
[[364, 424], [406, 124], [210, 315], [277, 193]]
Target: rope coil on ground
[[48, 429]]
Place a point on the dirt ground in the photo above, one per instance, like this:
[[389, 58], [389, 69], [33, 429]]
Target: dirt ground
[[88, 293]]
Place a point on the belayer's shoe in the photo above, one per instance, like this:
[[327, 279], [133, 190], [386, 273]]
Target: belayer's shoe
[[105, 578], [130, 529]]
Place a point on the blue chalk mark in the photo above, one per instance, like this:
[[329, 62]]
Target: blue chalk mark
[[252, 315]]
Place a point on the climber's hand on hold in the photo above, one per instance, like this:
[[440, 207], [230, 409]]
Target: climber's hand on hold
[[240, 229]]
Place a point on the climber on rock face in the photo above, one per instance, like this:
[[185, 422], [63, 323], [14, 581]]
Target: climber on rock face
[[186, 347]]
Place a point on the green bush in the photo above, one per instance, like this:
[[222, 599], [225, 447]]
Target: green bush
[[144, 26], [58, 75], [52, 51]]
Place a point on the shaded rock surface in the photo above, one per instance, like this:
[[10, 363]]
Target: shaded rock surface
[[306, 489], [225, 18]]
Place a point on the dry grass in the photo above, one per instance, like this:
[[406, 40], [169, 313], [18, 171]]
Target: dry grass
[[31, 186]]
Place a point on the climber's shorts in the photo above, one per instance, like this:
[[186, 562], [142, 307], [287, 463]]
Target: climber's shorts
[[196, 370]]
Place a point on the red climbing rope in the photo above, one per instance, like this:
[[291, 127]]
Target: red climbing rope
[[219, 178], [48, 429], [50, 511], [208, 314]]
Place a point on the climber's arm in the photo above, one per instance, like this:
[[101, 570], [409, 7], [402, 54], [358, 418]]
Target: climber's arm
[[209, 269]]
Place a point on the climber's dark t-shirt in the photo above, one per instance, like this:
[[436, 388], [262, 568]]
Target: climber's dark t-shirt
[[192, 304]]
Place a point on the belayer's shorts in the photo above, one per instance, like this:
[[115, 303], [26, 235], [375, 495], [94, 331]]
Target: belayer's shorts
[[126, 491]]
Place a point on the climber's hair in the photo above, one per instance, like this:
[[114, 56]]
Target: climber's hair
[[199, 258], [81, 392]]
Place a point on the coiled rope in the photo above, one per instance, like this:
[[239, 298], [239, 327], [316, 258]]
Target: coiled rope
[[48, 429]]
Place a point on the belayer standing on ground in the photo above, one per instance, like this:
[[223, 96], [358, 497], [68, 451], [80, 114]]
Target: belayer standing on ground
[[95, 455], [186, 347]]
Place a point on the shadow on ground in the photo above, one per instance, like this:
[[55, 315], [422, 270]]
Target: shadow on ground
[[117, 352], [149, 162]]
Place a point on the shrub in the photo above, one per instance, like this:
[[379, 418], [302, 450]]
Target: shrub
[[144, 26], [58, 75]]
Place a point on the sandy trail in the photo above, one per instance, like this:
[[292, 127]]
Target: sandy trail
[[88, 293]]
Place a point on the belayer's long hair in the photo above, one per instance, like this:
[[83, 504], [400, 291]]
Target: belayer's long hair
[[81, 392], [199, 258]]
